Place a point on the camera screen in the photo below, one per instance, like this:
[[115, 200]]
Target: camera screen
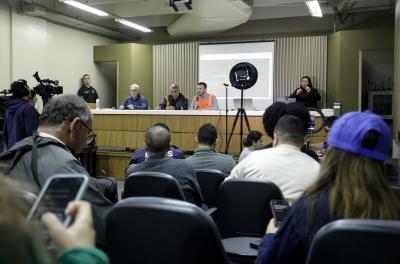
[[242, 75], [58, 194]]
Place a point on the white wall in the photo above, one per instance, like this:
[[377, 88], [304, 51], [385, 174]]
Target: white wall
[[30, 44]]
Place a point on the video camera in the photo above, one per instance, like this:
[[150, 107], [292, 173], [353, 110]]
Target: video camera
[[46, 88]]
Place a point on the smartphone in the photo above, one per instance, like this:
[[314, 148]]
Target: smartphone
[[279, 209], [255, 244], [55, 195]]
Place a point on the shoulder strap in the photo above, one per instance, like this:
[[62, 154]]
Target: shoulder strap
[[34, 159]]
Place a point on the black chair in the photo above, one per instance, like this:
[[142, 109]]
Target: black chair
[[159, 230], [356, 241], [243, 207], [209, 181], [152, 184]]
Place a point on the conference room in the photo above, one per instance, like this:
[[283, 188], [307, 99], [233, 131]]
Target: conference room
[[182, 71]]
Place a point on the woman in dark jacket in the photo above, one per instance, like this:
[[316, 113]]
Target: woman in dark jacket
[[306, 94]]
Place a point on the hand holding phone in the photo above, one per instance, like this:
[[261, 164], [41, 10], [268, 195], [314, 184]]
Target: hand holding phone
[[79, 234], [54, 197], [279, 209]]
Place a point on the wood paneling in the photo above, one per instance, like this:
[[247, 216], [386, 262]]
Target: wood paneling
[[183, 128], [114, 163]]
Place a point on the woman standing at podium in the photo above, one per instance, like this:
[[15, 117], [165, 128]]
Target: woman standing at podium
[[306, 94]]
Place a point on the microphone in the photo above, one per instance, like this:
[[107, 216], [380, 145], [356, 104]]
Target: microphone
[[196, 106], [225, 84]]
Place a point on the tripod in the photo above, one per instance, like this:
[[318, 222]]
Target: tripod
[[242, 113]]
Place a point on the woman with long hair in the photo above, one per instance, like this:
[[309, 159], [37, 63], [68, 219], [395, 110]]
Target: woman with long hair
[[306, 93], [351, 184], [251, 142]]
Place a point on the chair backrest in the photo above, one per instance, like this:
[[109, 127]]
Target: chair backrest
[[209, 181], [152, 184], [353, 241], [243, 206], [161, 230]]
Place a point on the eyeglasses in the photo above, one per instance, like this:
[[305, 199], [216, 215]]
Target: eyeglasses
[[91, 135], [133, 90]]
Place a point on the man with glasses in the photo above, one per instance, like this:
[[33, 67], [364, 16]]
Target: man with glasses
[[135, 101], [64, 128]]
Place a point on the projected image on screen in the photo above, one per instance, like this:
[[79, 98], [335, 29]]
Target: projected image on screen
[[216, 61]]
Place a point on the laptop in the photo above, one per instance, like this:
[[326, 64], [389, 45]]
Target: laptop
[[286, 100], [247, 103]]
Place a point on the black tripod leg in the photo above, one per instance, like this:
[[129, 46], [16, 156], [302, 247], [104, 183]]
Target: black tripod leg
[[247, 120], [231, 134]]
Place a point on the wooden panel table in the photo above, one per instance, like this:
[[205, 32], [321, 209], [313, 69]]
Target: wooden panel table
[[125, 128]]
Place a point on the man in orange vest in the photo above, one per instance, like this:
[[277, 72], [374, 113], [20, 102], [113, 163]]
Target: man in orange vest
[[204, 100], [174, 101]]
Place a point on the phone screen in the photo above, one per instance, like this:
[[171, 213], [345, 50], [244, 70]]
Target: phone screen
[[279, 209], [57, 195], [54, 197]]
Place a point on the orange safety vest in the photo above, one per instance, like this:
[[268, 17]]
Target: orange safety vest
[[207, 102], [167, 105]]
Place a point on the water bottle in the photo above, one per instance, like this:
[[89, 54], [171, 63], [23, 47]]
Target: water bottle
[[98, 104]]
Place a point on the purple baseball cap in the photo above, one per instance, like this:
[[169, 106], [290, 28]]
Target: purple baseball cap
[[348, 132]]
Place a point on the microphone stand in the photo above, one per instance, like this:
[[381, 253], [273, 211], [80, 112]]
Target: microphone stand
[[226, 116]]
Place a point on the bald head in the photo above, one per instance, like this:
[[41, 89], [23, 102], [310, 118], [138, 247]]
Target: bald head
[[157, 139]]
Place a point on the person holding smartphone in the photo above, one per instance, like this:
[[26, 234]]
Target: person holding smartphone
[[351, 184], [20, 242]]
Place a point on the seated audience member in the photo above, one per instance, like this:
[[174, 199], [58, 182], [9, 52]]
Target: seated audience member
[[21, 243], [278, 109], [284, 164], [351, 184], [64, 127], [204, 100], [21, 117], [141, 155], [157, 140], [135, 100], [174, 101], [253, 140], [205, 156]]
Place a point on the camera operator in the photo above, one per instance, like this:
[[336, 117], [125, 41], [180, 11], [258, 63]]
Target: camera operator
[[21, 118]]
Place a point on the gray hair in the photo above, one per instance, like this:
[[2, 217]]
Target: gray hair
[[64, 108], [134, 87], [157, 139], [290, 129], [174, 86]]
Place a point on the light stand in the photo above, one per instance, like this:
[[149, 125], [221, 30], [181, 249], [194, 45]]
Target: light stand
[[241, 112], [226, 115], [242, 76]]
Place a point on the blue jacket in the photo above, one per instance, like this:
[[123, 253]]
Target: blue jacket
[[21, 120], [140, 155], [140, 103], [292, 241]]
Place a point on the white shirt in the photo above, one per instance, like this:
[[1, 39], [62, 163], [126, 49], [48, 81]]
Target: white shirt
[[245, 152], [285, 165]]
